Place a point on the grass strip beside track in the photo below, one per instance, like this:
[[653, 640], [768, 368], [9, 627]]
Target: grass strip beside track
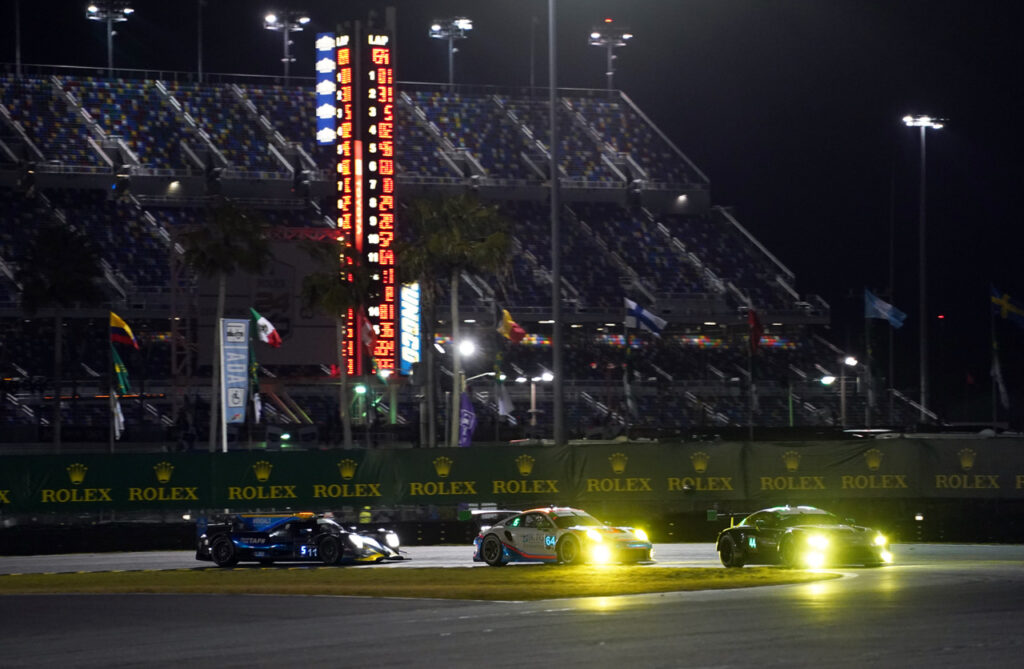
[[527, 582]]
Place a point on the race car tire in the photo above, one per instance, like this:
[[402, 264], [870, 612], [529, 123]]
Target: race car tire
[[729, 553], [223, 552], [568, 550], [492, 552], [331, 549], [787, 553]]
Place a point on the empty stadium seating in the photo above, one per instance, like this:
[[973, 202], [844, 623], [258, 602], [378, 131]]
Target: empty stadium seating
[[701, 270]]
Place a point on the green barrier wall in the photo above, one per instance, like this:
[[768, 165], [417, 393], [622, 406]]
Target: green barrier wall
[[760, 473]]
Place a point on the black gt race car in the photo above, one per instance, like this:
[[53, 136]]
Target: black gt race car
[[301, 537], [801, 536]]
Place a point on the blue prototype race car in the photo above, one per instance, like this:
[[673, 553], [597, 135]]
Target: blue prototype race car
[[302, 537], [560, 535]]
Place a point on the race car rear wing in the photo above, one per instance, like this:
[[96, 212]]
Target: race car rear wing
[[714, 514]]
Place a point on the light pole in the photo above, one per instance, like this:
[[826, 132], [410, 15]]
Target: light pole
[[922, 122], [610, 37], [451, 30], [545, 377], [289, 22], [848, 361], [109, 12]]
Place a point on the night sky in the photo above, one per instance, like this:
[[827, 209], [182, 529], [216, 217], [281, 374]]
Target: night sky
[[791, 107]]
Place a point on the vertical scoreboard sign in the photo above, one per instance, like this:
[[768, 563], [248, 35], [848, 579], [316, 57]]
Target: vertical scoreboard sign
[[345, 180], [357, 77], [326, 87], [378, 195]]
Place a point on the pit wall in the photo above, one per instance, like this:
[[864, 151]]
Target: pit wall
[[682, 476]]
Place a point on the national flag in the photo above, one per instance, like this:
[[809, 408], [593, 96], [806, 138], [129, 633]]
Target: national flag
[[265, 329], [997, 376], [467, 420], [637, 316], [120, 332], [509, 329], [1007, 308], [257, 407], [120, 372], [756, 330], [369, 335], [875, 307], [505, 405], [118, 418]]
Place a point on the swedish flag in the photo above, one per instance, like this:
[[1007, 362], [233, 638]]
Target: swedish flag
[[1006, 308]]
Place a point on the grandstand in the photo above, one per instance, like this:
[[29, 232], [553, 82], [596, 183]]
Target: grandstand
[[133, 160]]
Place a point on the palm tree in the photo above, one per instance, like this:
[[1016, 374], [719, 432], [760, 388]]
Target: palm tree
[[442, 239], [233, 239], [333, 293], [61, 269]]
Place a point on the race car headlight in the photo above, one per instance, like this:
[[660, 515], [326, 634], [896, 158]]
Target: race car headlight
[[391, 539], [881, 540], [594, 535], [600, 554], [817, 541], [355, 540], [640, 534]]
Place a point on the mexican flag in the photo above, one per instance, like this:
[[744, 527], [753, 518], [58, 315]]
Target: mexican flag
[[267, 331]]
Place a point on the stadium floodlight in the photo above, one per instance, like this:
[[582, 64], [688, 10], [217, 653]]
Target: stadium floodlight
[[610, 37], [286, 23], [924, 123], [451, 30], [109, 12]]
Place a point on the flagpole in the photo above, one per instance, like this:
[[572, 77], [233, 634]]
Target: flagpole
[[992, 376], [750, 389], [867, 371], [110, 390]]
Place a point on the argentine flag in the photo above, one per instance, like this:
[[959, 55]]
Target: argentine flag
[[878, 308]]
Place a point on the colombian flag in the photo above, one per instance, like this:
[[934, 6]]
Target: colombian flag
[[120, 332]]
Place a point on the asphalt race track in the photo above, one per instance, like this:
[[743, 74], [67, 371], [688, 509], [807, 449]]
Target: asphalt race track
[[938, 606]]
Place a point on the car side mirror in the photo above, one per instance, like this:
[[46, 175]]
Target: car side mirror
[[759, 524], [850, 521]]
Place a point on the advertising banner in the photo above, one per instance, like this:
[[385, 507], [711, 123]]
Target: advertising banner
[[234, 364], [311, 481], [796, 473], [645, 472], [673, 475], [512, 476], [976, 468]]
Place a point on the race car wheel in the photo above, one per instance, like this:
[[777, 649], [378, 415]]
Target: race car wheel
[[223, 552], [330, 549], [788, 554], [492, 552], [568, 550], [729, 553]]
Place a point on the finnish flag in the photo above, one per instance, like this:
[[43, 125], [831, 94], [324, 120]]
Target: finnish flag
[[637, 316]]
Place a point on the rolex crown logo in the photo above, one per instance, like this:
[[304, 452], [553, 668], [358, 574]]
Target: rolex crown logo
[[524, 463], [261, 468], [873, 457], [76, 472], [347, 468], [700, 461], [443, 466], [618, 461], [792, 460], [163, 471], [966, 456]]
